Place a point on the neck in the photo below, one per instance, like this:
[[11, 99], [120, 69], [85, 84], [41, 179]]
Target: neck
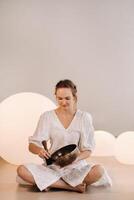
[[68, 111]]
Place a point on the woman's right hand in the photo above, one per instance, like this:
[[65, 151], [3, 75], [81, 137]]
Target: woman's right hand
[[44, 154]]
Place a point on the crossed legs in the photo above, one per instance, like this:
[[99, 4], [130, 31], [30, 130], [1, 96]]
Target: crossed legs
[[95, 173]]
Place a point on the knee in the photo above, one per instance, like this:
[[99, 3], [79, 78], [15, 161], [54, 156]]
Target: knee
[[20, 170], [98, 170]]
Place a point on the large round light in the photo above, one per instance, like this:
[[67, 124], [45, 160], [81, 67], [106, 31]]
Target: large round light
[[19, 115], [124, 148], [104, 144]]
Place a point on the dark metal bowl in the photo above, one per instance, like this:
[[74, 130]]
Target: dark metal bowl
[[63, 156]]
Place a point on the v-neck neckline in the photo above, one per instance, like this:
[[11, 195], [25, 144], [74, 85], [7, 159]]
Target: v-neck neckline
[[61, 124]]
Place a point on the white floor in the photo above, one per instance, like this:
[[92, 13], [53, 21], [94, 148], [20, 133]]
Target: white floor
[[122, 189]]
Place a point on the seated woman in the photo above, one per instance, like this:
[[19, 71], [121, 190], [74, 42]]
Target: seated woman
[[63, 126]]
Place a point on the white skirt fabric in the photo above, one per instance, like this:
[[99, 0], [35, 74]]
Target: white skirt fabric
[[72, 174]]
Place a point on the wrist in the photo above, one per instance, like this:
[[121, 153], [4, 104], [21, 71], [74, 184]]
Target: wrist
[[77, 159]]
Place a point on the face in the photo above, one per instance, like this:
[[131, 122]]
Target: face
[[65, 98]]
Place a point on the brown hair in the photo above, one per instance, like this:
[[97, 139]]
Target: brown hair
[[67, 84]]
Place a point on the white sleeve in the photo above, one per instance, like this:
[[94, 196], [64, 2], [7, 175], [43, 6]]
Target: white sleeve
[[86, 141], [42, 131]]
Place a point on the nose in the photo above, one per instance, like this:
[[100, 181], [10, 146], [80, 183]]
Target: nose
[[64, 102]]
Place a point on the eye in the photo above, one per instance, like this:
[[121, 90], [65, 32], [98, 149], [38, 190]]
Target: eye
[[67, 98]]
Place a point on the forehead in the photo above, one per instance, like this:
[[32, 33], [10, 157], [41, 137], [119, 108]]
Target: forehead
[[63, 92]]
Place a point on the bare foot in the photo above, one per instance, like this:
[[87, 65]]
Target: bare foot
[[81, 188], [46, 189]]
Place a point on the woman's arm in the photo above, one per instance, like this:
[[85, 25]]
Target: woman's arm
[[83, 155], [33, 148]]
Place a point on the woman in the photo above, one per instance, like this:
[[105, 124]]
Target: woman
[[63, 126]]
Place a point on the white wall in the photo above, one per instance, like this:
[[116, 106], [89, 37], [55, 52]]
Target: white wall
[[88, 41]]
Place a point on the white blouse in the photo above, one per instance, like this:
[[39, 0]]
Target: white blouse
[[79, 132]]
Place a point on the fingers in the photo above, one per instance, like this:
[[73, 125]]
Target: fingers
[[44, 154]]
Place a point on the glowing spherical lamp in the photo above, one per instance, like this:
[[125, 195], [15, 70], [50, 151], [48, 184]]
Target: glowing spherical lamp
[[104, 144], [19, 115], [124, 148]]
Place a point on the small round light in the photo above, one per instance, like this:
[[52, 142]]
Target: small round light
[[104, 144], [124, 148]]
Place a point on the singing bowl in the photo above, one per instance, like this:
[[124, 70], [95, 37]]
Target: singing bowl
[[63, 156]]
